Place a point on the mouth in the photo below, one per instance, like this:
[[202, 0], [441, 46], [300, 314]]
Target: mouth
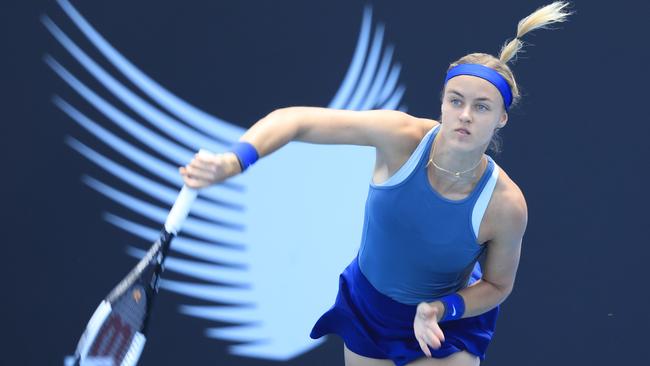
[[462, 131]]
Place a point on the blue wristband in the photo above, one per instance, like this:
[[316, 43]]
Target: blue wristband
[[246, 154], [454, 307]]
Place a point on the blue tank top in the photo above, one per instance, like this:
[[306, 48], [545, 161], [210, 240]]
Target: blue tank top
[[416, 244]]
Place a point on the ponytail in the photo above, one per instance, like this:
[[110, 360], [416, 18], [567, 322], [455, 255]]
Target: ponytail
[[540, 18]]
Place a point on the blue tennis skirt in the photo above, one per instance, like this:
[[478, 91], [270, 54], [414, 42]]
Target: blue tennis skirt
[[374, 325]]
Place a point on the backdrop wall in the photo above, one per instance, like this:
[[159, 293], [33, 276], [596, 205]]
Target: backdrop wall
[[79, 206]]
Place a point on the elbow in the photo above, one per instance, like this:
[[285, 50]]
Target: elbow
[[287, 114], [502, 290], [285, 119], [280, 114], [505, 292]]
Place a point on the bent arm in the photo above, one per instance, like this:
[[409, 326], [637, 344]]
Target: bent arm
[[502, 260]]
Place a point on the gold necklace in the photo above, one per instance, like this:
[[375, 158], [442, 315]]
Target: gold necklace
[[455, 174]]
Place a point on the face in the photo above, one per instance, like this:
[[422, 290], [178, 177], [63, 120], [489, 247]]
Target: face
[[472, 108]]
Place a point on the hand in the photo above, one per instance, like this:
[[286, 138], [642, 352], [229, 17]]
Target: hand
[[426, 328], [206, 169]]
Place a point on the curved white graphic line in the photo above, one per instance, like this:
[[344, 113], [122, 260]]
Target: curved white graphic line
[[201, 271], [161, 193], [215, 127], [167, 125], [297, 223], [228, 256], [195, 227], [159, 168]]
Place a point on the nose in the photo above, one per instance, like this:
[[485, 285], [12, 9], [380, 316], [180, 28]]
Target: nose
[[466, 115]]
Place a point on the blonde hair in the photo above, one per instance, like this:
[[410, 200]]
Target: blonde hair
[[541, 18], [555, 12]]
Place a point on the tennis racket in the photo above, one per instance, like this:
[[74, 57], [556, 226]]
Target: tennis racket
[[116, 333]]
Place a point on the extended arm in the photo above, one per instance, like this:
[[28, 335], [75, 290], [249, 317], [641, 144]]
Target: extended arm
[[382, 129]]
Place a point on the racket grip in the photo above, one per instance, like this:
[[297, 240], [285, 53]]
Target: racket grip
[[180, 210], [182, 206]]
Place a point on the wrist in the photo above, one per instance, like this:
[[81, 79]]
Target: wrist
[[234, 166], [246, 154], [454, 307], [440, 307]]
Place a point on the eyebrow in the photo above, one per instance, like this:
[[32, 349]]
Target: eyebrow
[[462, 96]]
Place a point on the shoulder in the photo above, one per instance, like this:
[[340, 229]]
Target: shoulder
[[418, 128], [416, 125], [424, 125], [406, 133], [406, 130], [508, 206]]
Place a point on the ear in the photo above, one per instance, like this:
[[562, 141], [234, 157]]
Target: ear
[[504, 120]]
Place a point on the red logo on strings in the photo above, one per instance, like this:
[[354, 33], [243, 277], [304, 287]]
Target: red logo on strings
[[113, 338]]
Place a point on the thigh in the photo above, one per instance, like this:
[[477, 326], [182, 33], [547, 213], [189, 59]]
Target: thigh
[[462, 358], [353, 359]]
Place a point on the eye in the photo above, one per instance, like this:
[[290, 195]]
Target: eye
[[482, 108], [455, 101]]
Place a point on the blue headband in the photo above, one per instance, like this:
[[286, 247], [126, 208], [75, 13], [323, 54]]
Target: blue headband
[[486, 73]]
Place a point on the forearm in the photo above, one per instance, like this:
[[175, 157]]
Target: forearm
[[272, 132], [479, 298], [382, 129]]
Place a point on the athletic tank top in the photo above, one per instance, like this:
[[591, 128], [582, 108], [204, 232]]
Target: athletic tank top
[[416, 244]]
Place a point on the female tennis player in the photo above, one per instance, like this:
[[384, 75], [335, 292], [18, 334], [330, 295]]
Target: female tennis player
[[416, 294]]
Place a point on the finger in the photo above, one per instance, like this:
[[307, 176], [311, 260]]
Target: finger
[[183, 171], [191, 181], [199, 183], [438, 332], [198, 164], [207, 159], [434, 342], [197, 173], [195, 183], [424, 347]]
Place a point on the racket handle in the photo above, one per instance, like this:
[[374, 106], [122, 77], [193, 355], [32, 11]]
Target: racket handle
[[180, 210], [182, 206]]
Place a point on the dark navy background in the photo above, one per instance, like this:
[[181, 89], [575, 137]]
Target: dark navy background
[[577, 145]]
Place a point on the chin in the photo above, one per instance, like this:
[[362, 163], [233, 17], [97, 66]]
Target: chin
[[468, 143]]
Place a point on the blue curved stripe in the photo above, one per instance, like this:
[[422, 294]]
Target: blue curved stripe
[[203, 121], [146, 161], [354, 70], [368, 70], [220, 294], [226, 314], [175, 152], [276, 349], [202, 271], [395, 99], [173, 128], [154, 189], [391, 83], [244, 333], [195, 227], [371, 101], [234, 257]]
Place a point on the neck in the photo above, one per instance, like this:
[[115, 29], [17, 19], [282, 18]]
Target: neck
[[454, 165]]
